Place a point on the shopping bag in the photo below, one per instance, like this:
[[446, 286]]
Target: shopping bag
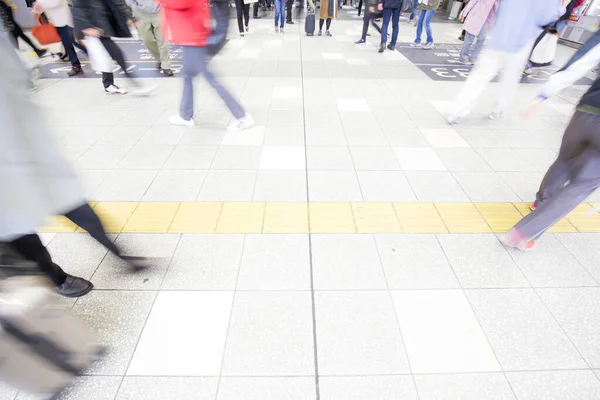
[[545, 52], [99, 57], [44, 32]]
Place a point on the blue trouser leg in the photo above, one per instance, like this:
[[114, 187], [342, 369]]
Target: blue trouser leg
[[413, 13], [387, 15], [395, 26], [420, 26], [66, 37], [466, 49], [479, 45], [428, 16]]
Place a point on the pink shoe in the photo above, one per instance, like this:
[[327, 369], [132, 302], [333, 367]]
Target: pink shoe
[[514, 238]]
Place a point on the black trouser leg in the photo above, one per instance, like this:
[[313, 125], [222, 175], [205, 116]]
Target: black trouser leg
[[321, 21], [360, 4], [108, 79], [66, 37], [116, 54], [239, 8], [247, 14], [328, 24], [32, 249], [255, 10], [17, 32], [288, 10], [87, 219], [366, 21]]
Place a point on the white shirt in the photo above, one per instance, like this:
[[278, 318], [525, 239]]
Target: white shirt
[[57, 11]]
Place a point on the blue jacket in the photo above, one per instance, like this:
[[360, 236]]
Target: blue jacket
[[518, 22]]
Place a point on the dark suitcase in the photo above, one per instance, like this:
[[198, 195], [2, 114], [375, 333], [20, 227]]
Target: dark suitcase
[[309, 25]]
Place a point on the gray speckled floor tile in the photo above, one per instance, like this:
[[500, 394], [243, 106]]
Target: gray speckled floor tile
[[84, 388], [490, 386], [396, 387], [167, 388], [276, 388], [77, 253], [555, 385]]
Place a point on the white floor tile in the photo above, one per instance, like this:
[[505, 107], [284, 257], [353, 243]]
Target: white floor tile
[[444, 138], [419, 159], [282, 157], [441, 333], [184, 335]]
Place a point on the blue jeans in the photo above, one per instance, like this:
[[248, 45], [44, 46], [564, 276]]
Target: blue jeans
[[394, 15], [413, 13], [280, 13], [425, 16], [68, 41], [466, 52]]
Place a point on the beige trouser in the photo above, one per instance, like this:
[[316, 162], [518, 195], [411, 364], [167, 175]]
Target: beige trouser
[[151, 33]]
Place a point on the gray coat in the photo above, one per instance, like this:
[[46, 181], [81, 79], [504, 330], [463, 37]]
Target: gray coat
[[35, 179]]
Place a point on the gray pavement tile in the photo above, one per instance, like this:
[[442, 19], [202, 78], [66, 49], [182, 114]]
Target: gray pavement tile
[[397, 387], [522, 331], [357, 334], [325, 136], [489, 386], [524, 184], [118, 318], [505, 160], [576, 310], [480, 137], [555, 385], [270, 334], [434, 186], [539, 159], [374, 159], [271, 388], [184, 335], [462, 159], [385, 186], [276, 185], [237, 157], [175, 185], [85, 387], [485, 187], [585, 247], [205, 262], [163, 136], [101, 157], [77, 253], [91, 179], [480, 261], [167, 388], [145, 157], [362, 136], [191, 157], [403, 136], [121, 135], [288, 136], [124, 185], [275, 262], [415, 262], [346, 262], [441, 332], [518, 138], [329, 158], [228, 186], [552, 265], [333, 186], [7, 392], [197, 136]]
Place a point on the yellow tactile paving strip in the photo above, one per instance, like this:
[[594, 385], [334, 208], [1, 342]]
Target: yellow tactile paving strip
[[335, 217]]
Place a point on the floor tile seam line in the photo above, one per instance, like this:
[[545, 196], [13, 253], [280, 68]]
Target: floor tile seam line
[[310, 244], [410, 368], [229, 323], [574, 257], [164, 275], [564, 331], [479, 324], [138, 340], [173, 220]]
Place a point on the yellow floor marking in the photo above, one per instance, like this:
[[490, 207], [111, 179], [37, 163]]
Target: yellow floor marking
[[375, 218], [241, 218], [333, 217], [286, 218], [152, 217], [462, 218], [196, 217], [114, 215], [419, 218], [499, 216]]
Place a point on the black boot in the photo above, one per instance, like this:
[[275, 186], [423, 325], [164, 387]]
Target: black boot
[[391, 47], [74, 287], [382, 48], [41, 52]]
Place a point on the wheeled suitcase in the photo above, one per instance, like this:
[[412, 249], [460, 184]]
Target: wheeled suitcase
[[43, 347], [309, 24]]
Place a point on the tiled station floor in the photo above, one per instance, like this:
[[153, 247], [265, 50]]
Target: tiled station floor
[[344, 248]]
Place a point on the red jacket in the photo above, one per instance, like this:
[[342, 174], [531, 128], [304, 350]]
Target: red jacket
[[186, 22]]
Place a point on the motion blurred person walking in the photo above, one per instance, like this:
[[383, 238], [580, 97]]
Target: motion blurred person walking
[[15, 29], [105, 19], [187, 23], [147, 13], [59, 15], [427, 9], [243, 10], [477, 16], [576, 172], [370, 13], [517, 24], [279, 15], [327, 12]]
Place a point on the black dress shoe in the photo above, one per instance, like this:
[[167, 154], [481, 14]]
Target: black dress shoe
[[167, 72], [74, 71], [257, 17], [290, 22], [391, 47], [382, 48], [41, 52], [74, 287]]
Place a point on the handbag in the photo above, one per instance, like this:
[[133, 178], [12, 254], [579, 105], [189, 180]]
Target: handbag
[[44, 32], [99, 57], [545, 51]]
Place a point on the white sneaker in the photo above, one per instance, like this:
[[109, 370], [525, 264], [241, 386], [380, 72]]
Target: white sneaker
[[494, 115], [454, 119], [144, 90], [240, 124], [177, 120], [114, 89]]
